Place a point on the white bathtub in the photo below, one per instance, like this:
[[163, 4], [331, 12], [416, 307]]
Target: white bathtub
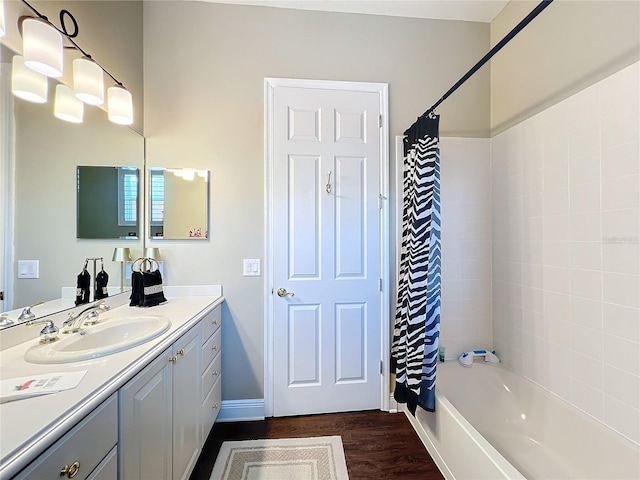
[[493, 423]]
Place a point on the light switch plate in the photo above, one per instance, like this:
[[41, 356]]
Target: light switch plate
[[251, 267], [28, 269]]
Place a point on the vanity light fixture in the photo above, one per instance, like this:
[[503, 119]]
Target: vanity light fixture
[[26, 83], [43, 52], [119, 105], [122, 255], [66, 106], [42, 47], [88, 83]]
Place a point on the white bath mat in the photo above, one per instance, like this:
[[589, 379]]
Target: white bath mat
[[316, 458]]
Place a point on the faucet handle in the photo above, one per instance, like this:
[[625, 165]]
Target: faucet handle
[[27, 314], [50, 331]]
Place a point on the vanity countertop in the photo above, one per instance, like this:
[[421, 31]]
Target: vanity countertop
[[29, 426]]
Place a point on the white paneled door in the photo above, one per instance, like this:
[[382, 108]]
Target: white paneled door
[[325, 218]]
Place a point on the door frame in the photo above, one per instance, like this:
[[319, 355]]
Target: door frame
[[270, 84]]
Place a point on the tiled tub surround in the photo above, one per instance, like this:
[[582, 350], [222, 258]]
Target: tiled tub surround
[[31, 425], [466, 244], [566, 262]]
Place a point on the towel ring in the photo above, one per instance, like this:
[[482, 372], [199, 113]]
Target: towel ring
[[134, 264], [140, 263]]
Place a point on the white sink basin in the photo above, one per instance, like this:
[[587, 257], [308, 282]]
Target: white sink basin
[[113, 335]]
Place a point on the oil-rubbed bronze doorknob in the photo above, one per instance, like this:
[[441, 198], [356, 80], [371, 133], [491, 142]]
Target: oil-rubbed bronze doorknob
[[282, 292]]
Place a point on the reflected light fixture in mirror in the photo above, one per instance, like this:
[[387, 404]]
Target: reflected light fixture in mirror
[[66, 106], [122, 255], [28, 84], [119, 105], [88, 83], [42, 47]]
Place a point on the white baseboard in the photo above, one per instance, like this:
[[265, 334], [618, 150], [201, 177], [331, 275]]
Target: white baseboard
[[241, 410]]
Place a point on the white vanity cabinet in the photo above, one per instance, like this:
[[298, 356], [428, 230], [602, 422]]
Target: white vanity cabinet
[[159, 420], [162, 424], [87, 451]]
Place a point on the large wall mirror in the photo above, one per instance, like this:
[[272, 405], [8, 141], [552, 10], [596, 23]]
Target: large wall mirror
[[47, 152]]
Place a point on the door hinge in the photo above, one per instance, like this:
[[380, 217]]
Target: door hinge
[[380, 284], [1, 295], [380, 121], [381, 367]]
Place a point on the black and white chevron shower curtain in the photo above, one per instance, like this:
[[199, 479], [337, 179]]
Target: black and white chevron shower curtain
[[417, 323]]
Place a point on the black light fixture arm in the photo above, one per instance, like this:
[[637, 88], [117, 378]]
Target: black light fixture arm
[[69, 35], [517, 29]]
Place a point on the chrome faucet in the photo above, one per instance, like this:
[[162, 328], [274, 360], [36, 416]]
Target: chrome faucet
[[87, 316]]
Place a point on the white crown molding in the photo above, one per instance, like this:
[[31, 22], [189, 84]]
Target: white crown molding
[[467, 10]]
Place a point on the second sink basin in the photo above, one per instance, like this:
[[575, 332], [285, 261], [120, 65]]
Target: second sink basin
[[114, 335]]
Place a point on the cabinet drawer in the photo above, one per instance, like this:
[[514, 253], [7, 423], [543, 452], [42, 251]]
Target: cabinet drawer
[[211, 375], [87, 444], [211, 408], [211, 348], [108, 468], [211, 322]]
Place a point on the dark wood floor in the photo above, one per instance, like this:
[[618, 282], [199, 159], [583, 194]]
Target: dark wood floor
[[377, 445]]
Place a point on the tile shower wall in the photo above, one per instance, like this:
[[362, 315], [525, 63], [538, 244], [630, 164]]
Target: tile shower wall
[[466, 245], [566, 263]]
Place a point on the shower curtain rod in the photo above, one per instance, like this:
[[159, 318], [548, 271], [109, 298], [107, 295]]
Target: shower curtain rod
[[517, 29]]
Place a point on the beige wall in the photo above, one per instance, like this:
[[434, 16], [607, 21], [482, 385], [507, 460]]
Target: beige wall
[[204, 84], [110, 31], [569, 46]]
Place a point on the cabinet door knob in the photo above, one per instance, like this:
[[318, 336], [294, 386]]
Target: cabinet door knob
[[72, 470], [173, 359], [181, 351], [215, 347], [215, 405], [216, 373], [215, 322]]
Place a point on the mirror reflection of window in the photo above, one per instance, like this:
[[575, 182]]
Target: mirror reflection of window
[[156, 189], [107, 202], [178, 206], [127, 196]]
